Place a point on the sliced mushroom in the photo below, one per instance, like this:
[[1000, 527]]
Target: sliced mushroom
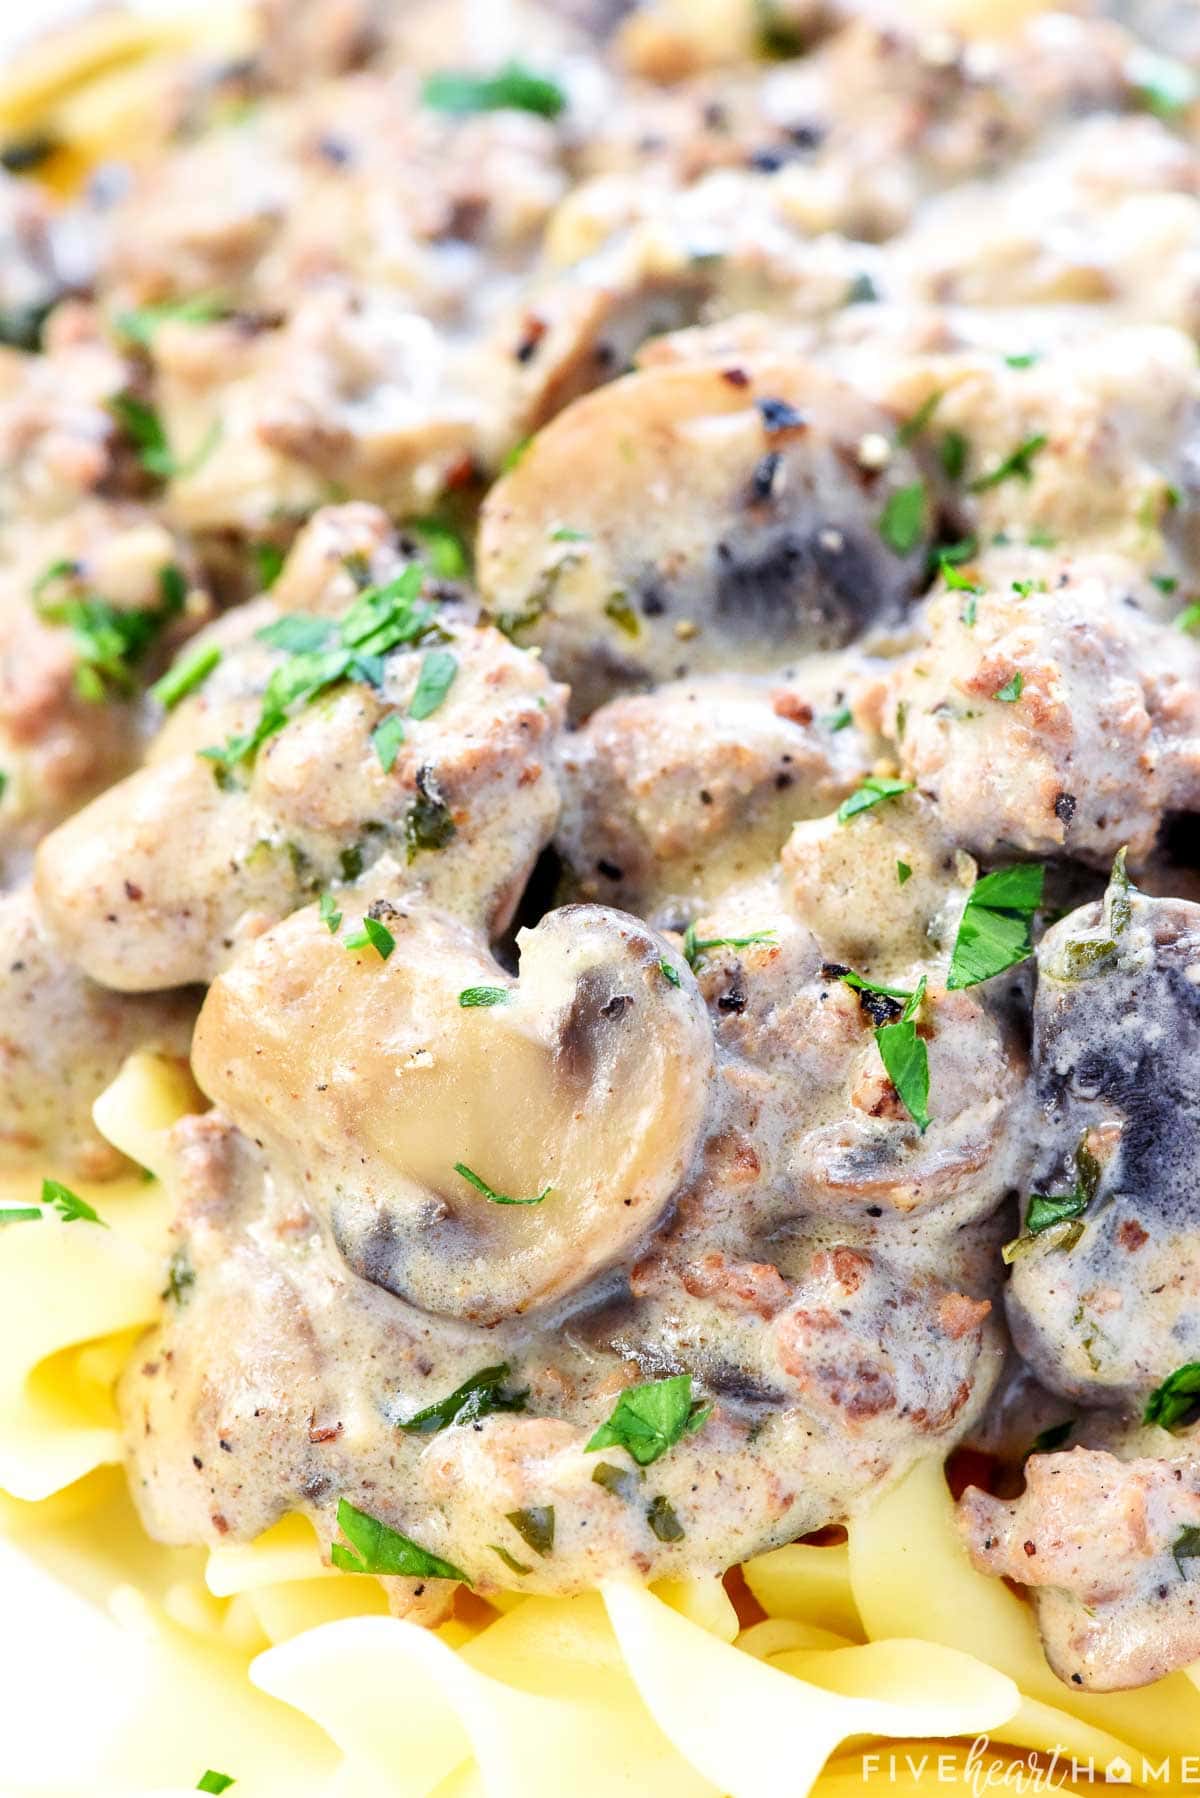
[[584, 1089], [1103, 1303], [688, 520]]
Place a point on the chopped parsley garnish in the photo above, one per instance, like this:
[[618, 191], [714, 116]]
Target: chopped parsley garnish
[[445, 551], [181, 1277], [1012, 689], [110, 641], [1047, 1210], [1023, 589], [438, 670], [1053, 1438], [328, 913], [1176, 1403], [474, 1398], [1024, 359], [1017, 466], [497, 1198], [660, 1515], [840, 719], [621, 1482], [373, 935], [902, 521], [1166, 583], [70, 1207], [1162, 84], [185, 675], [210, 1781], [144, 428], [386, 739], [618, 608], [906, 1059], [382, 1550], [952, 454], [669, 973], [994, 931], [564, 533], [913, 427], [535, 1526], [322, 652], [268, 564], [1096, 952], [428, 824], [903, 873], [483, 995], [20, 1214], [510, 1561], [873, 791], [648, 1420], [1189, 618], [512, 88], [956, 581], [1186, 1547], [696, 948], [140, 323]]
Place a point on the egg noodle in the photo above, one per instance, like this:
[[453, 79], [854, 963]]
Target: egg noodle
[[881, 1660]]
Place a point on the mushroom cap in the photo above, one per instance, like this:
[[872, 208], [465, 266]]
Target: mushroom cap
[[591, 1078], [689, 520]]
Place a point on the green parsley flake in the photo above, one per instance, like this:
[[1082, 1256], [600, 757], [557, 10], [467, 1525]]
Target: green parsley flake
[[902, 521], [381, 1550], [386, 739], [70, 1207], [564, 533], [914, 426], [110, 641], [873, 791], [20, 1214], [1176, 1403], [839, 720], [1052, 1438], [660, 1515], [211, 1781], [903, 873], [648, 1420], [906, 1059], [472, 996], [497, 1198], [185, 675], [373, 935], [1017, 466], [512, 88], [535, 1526], [1012, 689], [1186, 1547], [321, 652], [696, 948], [669, 973], [1162, 84], [328, 913], [433, 683], [141, 323], [510, 1561], [1024, 359], [476, 1397], [952, 452], [445, 549], [1189, 618], [268, 565], [620, 1482], [142, 425], [994, 931]]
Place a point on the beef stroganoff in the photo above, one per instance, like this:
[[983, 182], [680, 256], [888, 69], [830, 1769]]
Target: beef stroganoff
[[599, 775]]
